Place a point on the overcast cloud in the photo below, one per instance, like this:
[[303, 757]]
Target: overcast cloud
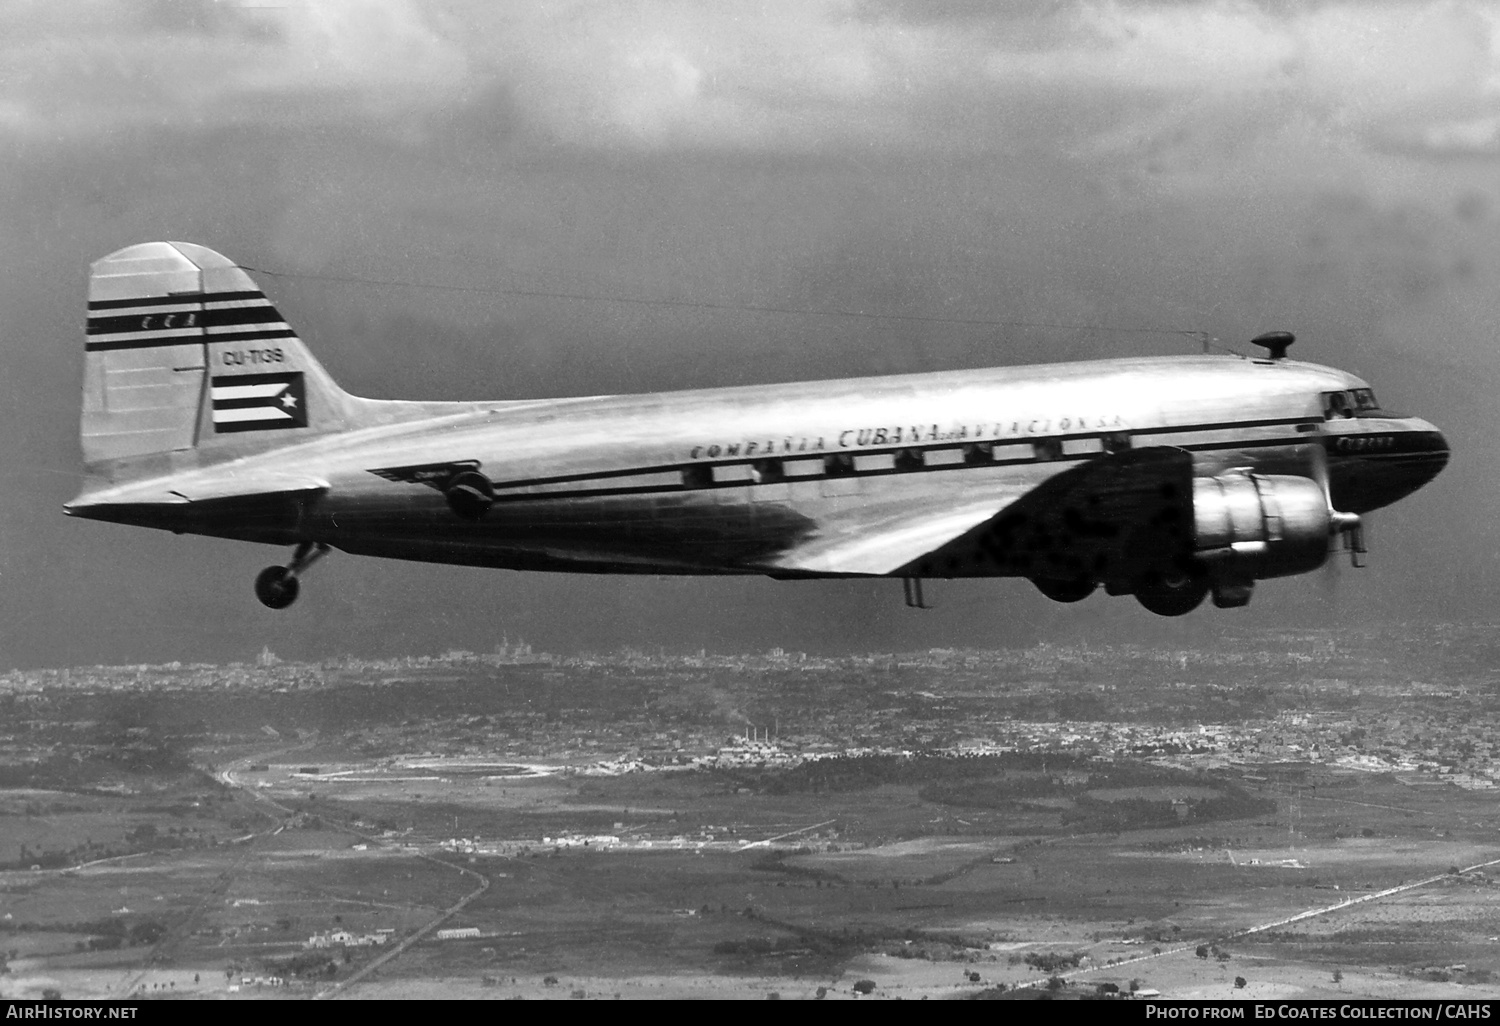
[[1333, 169]]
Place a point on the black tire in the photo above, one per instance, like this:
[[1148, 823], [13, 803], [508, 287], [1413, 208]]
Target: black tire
[[1172, 593], [470, 495], [1060, 590], [276, 587]]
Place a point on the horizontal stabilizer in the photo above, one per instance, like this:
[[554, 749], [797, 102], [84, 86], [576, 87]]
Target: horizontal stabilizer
[[193, 488], [260, 484]]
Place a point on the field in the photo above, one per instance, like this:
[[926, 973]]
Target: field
[[880, 890], [493, 844]]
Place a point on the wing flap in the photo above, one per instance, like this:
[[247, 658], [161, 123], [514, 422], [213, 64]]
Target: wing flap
[[875, 541]]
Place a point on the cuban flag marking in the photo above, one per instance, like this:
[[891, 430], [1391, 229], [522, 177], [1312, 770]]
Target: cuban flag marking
[[258, 402]]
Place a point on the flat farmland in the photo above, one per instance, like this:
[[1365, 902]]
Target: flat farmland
[[955, 824], [863, 880]]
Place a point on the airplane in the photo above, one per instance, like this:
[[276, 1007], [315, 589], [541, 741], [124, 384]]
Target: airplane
[[1168, 478]]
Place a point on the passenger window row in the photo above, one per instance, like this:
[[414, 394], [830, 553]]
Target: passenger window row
[[845, 464]]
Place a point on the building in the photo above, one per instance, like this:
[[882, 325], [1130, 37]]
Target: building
[[343, 938], [458, 933]]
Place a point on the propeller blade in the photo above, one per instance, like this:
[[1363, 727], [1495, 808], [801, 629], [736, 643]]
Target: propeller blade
[[1345, 530]]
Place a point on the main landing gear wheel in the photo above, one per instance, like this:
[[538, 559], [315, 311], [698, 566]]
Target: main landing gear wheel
[[1172, 592], [1059, 590], [277, 587], [470, 495]]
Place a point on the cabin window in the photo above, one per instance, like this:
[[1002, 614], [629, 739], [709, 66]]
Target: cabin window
[[943, 457], [1082, 446], [1047, 448], [767, 471], [875, 461], [734, 472], [838, 464], [1364, 399], [802, 468], [1012, 451]]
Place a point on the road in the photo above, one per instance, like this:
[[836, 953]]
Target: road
[[1373, 896], [228, 775], [1312, 913], [213, 897], [423, 932], [790, 833]]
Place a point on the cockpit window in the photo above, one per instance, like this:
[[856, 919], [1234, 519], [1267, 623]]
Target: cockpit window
[[1337, 404], [1353, 403]]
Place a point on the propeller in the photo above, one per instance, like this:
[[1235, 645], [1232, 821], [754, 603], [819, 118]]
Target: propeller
[[1346, 531]]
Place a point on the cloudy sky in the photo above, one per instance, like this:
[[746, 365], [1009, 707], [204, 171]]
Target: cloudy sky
[[1328, 168]]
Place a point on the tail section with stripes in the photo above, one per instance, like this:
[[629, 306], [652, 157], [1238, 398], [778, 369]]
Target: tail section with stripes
[[184, 351]]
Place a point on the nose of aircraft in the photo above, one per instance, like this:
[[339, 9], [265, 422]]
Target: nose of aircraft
[[1425, 450], [1384, 462]]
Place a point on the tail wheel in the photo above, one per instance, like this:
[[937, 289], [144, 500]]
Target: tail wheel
[[276, 586], [1172, 592], [1060, 590]]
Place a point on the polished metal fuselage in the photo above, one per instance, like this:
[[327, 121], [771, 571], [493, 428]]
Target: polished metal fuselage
[[739, 480]]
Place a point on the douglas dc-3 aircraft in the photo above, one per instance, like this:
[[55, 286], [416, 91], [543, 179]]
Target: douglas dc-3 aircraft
[[1168, 478]]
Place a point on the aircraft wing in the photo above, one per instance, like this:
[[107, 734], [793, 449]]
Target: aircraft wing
[[1108, 518], [879, 541]]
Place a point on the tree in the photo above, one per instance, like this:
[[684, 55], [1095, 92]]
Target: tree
[[1239, 983], [1201, 951], [1135, 985], [1338, 976]]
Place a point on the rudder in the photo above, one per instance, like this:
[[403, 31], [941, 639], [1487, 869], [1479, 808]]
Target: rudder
[[184, 351]]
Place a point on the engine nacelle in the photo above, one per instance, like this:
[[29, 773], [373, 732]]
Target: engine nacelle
[[1252, 526]]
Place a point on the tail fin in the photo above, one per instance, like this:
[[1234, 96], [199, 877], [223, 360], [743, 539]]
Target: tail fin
[[185, 352]]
